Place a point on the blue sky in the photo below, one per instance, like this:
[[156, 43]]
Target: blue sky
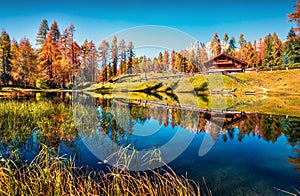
[[95, 19]]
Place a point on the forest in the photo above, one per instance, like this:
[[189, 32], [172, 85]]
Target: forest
[[58, 58]]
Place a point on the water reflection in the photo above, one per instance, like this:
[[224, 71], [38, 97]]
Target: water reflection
[[267, 127], [28, 122]]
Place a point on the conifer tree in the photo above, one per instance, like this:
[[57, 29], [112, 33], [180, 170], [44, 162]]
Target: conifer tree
[[114, 55], [166, 61], [93, 60], [243, 47], [276, 49], [130, 54], [295, 16], [225, 42], [268, 51], [42, 34], [251, 55], [231, 48], [123, 56], [5, 57], [50, 56], [291, 49], [215, 45], [24, 65], [103, 49]]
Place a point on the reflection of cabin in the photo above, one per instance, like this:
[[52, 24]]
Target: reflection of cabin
[[225, 63]]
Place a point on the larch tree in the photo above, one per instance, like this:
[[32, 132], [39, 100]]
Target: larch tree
[[93, 60], [122, 56], [114, 55], [24, 61], [57, 66], [85, 71], [141, 68], [89, 58], [166, 61], [149, 64], [42, 33], [243, 47], [76, 52], [251, 56], [130, 55], [276, 50], [155, 64], [55, 33], [69, 51], [215, 45], [5, 57], [178, 62], [135, 65], [159, 60], [50, 55], [260, 51], [256, 61], [15, 63], [45, 60], [172, 59], [104, 53], [225, 42], [295, 16]]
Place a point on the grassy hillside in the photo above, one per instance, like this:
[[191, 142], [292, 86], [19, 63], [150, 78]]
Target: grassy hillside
[[281, 82], [267, 82], [273, 82]]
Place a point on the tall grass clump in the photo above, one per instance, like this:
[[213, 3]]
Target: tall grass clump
[[49, 174]]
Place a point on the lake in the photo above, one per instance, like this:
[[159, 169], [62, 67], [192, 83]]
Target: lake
[[237, 152]]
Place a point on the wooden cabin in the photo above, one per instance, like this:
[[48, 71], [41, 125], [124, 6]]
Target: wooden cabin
[[225, 63]]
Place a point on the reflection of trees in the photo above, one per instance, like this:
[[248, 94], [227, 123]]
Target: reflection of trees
[[248, 124], [119, 119], [272, 128], [190, 120], [292, 131], [295, 160], [140, 114], [175, 117], [267, 127]]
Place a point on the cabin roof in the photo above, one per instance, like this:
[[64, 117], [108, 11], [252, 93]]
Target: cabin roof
[[227, 55]]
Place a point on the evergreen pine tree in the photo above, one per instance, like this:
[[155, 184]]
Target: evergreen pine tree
[[42, 34], [231, 48], [268, 51], [291, 49]]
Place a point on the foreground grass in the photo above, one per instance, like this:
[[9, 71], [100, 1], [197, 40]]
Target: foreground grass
[[48, 174]]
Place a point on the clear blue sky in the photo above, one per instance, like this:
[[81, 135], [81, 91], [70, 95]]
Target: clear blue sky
[[96, 19]]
